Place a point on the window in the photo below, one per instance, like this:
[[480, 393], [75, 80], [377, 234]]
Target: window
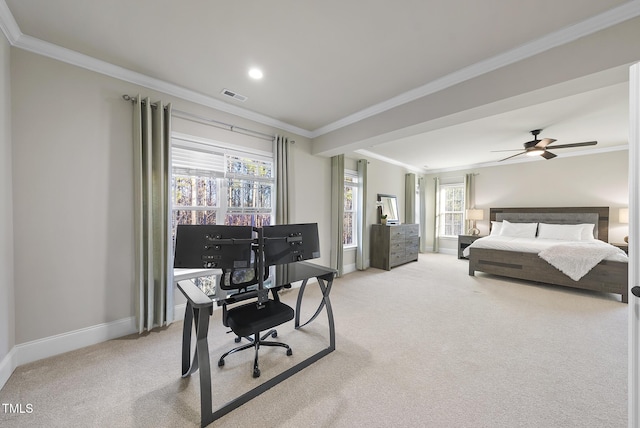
[[349, 231], [249, 189], [451, 209], [217, 185], [212, 184]]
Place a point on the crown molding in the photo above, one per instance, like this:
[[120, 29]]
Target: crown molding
[[597, 23], [8, 24], [69, 56], [612, 17], [389, 160]]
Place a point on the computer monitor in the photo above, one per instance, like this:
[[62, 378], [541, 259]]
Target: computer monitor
[[288, 243], [213, 246]]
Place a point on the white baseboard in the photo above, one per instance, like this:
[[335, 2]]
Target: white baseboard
[[35, 350], [451, 251], [65, 342], [352, 267], [29, 352], [7, 366], [178, 312], [348, 268]]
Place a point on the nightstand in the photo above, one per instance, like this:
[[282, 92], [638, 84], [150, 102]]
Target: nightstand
[[623, 246], [464, 241]]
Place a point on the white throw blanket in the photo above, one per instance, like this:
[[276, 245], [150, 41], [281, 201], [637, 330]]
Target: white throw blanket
[[576, 259]]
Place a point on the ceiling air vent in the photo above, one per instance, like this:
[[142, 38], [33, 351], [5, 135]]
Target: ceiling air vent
[[234, 95]]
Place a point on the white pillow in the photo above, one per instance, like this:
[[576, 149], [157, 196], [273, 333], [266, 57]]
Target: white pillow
[[587, 231], [564, 232], [518, 230], [495, 228]]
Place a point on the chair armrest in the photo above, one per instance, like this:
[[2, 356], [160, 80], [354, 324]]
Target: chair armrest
[[238, 297], [196, 297], [246, 295]]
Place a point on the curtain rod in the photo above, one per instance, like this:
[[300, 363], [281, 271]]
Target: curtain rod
[[212, 122]]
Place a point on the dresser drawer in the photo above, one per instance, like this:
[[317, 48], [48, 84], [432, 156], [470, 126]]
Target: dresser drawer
[[397, 259], [396, 234], [411, 232], [412, 248]]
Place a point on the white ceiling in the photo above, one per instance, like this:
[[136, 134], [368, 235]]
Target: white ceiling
[[329, 64]]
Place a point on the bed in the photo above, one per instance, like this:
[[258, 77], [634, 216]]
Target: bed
[[609, 275]]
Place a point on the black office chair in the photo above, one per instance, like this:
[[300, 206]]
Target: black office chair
[[251, 319]]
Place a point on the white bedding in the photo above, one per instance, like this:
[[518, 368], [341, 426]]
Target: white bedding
[[574, 258]]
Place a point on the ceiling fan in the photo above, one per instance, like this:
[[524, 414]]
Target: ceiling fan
[[537, 147]]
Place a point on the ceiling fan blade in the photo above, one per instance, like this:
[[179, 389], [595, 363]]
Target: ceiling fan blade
[[545, 142], [566, 146], [517, 154], [510, 150], [548, 155]]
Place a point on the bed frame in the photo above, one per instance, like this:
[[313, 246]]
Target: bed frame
[[607, 276]]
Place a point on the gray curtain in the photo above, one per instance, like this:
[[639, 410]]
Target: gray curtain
[[468, 192], [282, 148], [152, 175], [337, 212], [423, 214], [410, 198], [469, 199], [363, 237], [436, 223]]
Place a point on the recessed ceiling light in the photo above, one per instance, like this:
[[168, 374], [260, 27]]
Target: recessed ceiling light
[[255, 73]]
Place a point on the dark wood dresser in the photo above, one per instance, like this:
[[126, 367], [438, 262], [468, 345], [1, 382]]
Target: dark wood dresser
[[393, 245]]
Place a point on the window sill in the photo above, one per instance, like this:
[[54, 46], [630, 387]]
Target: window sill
[[450, 237]]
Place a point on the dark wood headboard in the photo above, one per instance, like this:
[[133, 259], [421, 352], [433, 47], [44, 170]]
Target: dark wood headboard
[[558, 215]]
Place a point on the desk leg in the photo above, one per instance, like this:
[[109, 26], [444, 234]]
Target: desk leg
[[299, 302], [202, 349], [187, 365], [325, 288], [200, 320]]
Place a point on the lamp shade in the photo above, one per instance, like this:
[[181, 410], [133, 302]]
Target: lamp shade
[[623, 215], [475, 214]]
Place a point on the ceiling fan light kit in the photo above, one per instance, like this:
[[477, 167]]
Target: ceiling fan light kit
[[537, 147]]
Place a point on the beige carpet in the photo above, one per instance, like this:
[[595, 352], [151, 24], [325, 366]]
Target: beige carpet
[[423, 345]]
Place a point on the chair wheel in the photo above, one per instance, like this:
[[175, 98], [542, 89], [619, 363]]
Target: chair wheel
[[256, 372], [220, 362], [289, 352]]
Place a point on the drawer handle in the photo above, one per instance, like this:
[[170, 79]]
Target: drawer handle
[[636, 291]]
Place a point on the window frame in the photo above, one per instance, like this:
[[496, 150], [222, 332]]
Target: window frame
[[212, 160], [444, 188], [351, 181]]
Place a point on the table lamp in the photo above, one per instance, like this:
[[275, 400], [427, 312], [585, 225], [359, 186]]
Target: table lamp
[[474, 215], [623, 217]]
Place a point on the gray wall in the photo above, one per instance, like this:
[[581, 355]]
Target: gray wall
[[73, 193], [7, 314]]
